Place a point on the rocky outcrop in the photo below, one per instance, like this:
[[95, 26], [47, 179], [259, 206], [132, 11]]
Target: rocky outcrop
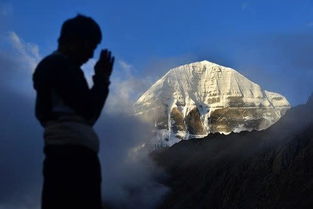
[[193, 123], [196, 99]]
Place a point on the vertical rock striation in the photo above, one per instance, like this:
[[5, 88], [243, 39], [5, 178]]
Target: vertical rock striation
[[196, 99]]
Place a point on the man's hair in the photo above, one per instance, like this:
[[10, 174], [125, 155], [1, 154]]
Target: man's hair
[[80, 28]]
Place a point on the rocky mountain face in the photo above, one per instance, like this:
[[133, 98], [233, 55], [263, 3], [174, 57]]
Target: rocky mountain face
[[202, 97], [266, 169]]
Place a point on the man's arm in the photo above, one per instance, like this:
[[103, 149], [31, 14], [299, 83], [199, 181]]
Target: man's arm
[[72, 87]]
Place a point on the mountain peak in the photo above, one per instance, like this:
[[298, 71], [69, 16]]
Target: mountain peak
[[207, 62], [202, 63], [195, 99]]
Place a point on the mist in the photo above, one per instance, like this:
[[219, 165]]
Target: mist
[[130, 179]]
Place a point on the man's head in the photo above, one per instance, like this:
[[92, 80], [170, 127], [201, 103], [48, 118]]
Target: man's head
[[79, 38]]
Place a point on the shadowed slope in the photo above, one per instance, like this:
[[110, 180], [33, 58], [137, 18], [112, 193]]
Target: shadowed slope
[[266, 169]]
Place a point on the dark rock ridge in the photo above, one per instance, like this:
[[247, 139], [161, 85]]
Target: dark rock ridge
[[269, 169]]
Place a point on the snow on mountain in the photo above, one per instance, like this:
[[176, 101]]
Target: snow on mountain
[[196, 99]]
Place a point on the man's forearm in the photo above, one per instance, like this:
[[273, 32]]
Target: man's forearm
[[98, 93]]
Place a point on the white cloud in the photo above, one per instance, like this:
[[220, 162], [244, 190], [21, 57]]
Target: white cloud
[[88, 70], [125, 88], [28, 53], [18, 59], [125, 66]]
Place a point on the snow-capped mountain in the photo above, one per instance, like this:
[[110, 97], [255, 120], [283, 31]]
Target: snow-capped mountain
[[196, 99]]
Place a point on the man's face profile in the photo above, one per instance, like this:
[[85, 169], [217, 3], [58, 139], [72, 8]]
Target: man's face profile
[[88, 48], [82, 50]]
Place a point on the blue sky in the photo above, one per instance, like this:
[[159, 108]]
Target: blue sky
[[253, 37], [268, 41], [162, 28], [261, 39]]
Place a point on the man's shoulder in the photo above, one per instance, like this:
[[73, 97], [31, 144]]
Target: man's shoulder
[[52, 63], [53, 60], [49, 66]]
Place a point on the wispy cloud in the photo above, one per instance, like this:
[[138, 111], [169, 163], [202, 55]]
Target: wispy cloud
[[28, 53], [125, 88], [18, 60], [124, 65]]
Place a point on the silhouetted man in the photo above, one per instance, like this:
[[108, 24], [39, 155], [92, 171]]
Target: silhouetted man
[[68, 109]]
